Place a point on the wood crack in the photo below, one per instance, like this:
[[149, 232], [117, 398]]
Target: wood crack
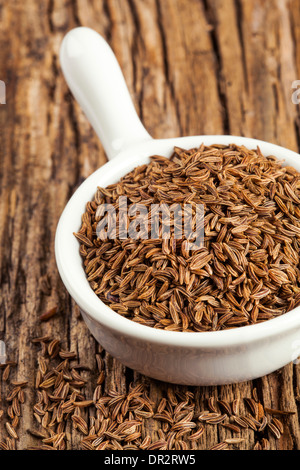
[[134, 49], [169, 81], [218, 60], [239, 23], [74, 8], [49, 15], [108, 29]]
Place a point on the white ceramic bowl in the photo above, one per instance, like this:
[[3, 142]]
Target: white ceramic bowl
[[210, 358]]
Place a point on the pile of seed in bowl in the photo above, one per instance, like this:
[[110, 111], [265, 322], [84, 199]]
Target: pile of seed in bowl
[[245, 272]]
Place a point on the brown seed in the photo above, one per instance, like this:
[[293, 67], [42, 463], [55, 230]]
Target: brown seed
[[232, 427], [83, 404], [101, 377], [260, 411], [263, 424], [235, 406], [6, 372], [49, 314], [43, 365], [53, 348], [226, 406], [14, 392], [265, 444], [36, 433], [253, 406], [217, 420], [145, 443], [273, 411], [257, 446], [48, 382], [248, 420], [240, 422], [41, 339], [67, 355], [16, 407], [3, 446], [197, 434], [206, 415], [234, 440], [274, 429], [11, 431], [21, 383], [255, 395], [278, 424], [212, 405], [220, 446]]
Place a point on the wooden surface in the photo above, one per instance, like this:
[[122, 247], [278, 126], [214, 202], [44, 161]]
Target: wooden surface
[[192, 67]]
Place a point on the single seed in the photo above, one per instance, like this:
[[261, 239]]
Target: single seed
[[49, 314]]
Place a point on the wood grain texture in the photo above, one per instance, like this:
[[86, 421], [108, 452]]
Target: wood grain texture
[[192, 67]]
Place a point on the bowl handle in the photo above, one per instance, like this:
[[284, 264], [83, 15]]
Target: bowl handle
[[95, 79]]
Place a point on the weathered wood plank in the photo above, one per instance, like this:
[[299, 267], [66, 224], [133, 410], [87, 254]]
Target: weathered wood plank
[[196, 67]]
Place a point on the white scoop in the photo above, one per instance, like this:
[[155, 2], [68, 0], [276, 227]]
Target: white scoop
[[2, 352], [234, 355]]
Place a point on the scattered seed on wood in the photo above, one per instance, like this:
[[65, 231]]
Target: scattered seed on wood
[[113, 421]]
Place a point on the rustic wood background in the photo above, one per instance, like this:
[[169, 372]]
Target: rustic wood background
[[192, 67]]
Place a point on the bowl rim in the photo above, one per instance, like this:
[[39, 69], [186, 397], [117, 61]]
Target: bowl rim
[[91, 304]]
